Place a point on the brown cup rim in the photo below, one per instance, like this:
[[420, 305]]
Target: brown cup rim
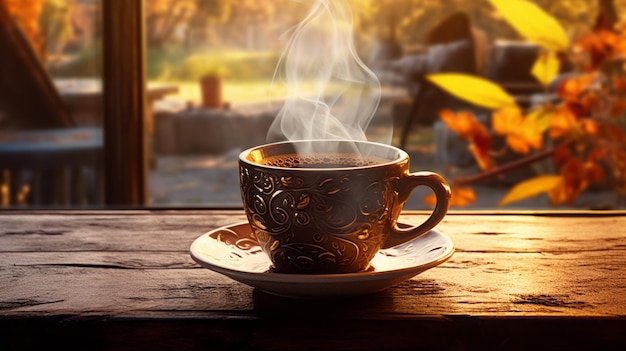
[[402, 155]]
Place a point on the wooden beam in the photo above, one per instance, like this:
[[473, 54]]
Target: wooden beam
[[124, 54], [28, 98]]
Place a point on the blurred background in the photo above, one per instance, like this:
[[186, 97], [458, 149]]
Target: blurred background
[[209, 69]]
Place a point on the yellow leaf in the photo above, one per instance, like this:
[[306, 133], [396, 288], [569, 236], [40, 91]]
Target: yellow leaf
[[475, 90], [546, 67], [531, 133], [542, 117], [533, 23], [531, 187]]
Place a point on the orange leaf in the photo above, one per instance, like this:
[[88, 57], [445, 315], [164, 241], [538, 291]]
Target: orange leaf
[[601, 45], [619, 106], [620, 49], [588, 101], [589, 126], [574, 178], [581, 107], [596, 154], [619, 170], [562, 122], [558, 194], [620, 83], [480, 138], [570, 89], [561, 154], [610, 40], [592, 44], [481, 156], [531, 133], [616, 133], [463, 123], [27, 15], [461, 196], [469, 128], [594, 173], [518, 144], [505, 120], [430, 200], [522, 133]]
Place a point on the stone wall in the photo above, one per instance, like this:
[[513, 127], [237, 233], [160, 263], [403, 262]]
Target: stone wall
[[209, 131]]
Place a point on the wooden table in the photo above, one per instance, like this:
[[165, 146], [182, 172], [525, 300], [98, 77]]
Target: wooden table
[[125, 280], [84, 99]]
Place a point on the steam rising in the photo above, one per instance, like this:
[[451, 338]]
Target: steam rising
[[346, 94]]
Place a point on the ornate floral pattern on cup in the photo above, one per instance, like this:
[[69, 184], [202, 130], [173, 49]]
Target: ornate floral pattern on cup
[[343, 213]]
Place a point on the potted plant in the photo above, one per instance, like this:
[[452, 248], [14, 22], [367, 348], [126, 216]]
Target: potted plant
[[211, 86]]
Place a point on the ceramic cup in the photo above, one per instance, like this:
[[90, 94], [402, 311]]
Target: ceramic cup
[[332, 209]]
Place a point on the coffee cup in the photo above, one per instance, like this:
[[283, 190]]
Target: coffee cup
[[328, 206]]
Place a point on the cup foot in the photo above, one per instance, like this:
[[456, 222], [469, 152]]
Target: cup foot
[[272, 269]]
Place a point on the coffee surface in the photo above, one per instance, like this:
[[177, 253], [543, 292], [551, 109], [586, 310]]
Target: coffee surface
[[322, 161]]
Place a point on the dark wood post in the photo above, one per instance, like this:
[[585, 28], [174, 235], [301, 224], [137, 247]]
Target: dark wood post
[[125, 149], [607, 7]]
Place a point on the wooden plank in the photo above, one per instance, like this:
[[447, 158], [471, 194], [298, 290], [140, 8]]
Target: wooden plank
[[106, 232], [514, 233], [124, 279], [478, 284], [504, 266]]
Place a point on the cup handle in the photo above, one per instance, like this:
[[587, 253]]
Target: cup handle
[[405, 186]]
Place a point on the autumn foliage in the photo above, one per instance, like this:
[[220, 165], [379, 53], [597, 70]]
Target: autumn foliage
[[26, 14], [582, 130]]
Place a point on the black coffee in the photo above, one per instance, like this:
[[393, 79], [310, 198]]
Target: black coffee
[[323, 165], [322, 161]]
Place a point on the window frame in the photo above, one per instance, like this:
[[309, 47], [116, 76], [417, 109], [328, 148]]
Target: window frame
[[124, 103]]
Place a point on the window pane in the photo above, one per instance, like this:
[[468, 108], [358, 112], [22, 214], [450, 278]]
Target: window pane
[[50, 103], [221, 57]]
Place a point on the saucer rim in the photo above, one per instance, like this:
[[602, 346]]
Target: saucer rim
[[296, 278]]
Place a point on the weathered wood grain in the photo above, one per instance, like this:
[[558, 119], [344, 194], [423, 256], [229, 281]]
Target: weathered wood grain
[[126, 272]]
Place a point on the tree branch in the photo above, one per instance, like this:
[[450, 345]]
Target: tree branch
[[506, 167]]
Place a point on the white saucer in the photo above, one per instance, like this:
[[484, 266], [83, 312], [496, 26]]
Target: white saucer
[[234, 252]]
